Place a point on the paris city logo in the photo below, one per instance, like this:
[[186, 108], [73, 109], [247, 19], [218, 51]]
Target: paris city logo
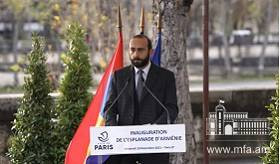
[[104, 144]]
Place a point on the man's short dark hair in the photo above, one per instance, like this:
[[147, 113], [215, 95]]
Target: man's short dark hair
[[144, 36]]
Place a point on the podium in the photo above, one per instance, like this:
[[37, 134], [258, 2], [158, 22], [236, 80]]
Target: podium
[[137, 139]]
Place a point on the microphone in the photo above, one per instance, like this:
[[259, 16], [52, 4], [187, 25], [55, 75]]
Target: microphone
[[117, 98], [163, 106]]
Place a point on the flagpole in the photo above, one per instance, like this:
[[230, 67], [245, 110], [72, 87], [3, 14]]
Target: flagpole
[[142, 21], [159, 25], [119, 24]]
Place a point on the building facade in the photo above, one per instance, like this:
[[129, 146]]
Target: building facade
[[221, 122]]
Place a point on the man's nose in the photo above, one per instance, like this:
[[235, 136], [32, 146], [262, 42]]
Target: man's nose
[[135, 53]]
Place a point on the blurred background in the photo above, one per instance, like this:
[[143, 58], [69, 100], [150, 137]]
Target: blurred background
[[244, 36]]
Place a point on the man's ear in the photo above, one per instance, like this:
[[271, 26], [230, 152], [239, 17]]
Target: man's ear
[[151, 52]]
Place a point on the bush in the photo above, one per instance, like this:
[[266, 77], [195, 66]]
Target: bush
[[75, 97], [30, 142], [272, 155]]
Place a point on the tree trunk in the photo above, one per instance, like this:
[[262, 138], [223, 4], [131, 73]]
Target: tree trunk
[[227, 31], [15, 50], [265, 42], [175, 58]]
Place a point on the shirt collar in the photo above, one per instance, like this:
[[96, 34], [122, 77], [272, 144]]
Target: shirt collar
[[145, 69]]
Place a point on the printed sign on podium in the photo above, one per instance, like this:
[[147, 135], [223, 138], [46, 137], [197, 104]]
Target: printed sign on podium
[[109, 140]]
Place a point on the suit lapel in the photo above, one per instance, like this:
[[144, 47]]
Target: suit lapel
[[131, 86]]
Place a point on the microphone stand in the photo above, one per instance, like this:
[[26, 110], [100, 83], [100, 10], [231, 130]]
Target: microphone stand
[[116, 99], [163, 106]]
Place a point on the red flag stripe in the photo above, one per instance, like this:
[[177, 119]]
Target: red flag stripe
[[77, 149]]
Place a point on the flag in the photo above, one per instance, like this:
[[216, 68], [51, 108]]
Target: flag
[[78, 150], [155, 58]]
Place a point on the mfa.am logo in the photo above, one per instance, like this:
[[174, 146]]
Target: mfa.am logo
[[103, 136], [222, 122]]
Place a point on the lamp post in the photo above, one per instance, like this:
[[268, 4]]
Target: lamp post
[[205, 79]]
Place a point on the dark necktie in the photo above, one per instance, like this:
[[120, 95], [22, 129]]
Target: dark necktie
[[140, 84]]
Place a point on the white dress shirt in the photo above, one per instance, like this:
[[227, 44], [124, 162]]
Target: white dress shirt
[[145, 73]]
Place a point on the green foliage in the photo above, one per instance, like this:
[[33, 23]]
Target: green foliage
[[272, 155], [39, 10], [17, 6], [30, 142], [74, 89]]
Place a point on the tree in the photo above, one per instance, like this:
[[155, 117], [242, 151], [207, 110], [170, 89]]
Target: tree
[[174, 57], [226, 22], [32, 127], [267, 18], [17, 8], [74, 89], [22, 11], [272, 155]]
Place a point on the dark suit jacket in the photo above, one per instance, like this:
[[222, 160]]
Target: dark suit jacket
[[159, 80]]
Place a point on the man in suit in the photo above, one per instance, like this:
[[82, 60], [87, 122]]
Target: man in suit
[[136, 106]]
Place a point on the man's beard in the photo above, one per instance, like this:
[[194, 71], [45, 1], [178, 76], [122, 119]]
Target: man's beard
[[139, 63]]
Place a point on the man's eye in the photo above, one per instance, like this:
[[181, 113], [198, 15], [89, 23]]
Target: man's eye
[[137, 49]]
